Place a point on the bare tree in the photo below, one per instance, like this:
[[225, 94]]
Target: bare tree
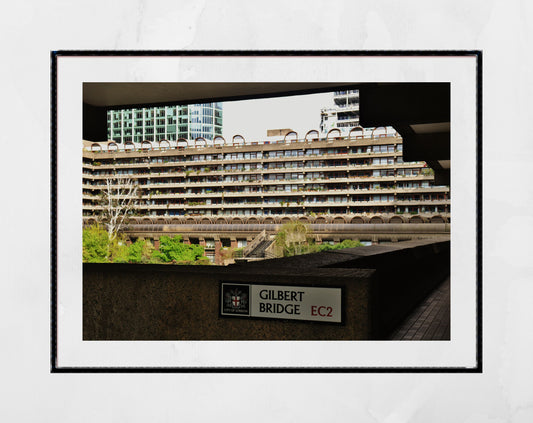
[[118, 199]]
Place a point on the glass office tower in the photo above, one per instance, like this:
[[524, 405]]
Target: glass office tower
[[165, 123]]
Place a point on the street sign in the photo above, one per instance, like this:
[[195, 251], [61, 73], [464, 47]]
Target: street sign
[[321, 304]]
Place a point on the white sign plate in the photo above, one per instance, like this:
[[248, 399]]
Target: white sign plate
[[281, 302]]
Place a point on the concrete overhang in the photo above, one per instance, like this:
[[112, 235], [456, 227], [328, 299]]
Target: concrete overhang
[[420, 112], [137, 94]]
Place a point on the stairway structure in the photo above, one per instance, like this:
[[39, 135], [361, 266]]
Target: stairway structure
[[256, 249], [259, 251]]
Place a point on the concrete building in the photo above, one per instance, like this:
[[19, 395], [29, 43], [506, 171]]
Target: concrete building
[[354, 179], [345, 113], [165, 123]]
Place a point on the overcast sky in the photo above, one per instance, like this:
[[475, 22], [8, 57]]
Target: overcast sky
[[252, 118]]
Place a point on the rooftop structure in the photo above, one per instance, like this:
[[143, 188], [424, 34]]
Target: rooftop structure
[[344, 115]]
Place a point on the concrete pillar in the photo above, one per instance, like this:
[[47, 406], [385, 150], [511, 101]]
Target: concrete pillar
[[233, 243], [156, 243]]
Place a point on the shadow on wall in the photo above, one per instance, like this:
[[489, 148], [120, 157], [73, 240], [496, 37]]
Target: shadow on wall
[[381, 285]]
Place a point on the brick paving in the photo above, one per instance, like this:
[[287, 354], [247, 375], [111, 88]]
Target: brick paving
[[430, 320]]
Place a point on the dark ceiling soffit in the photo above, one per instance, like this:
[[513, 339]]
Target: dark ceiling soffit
[[289, 92], [404, 104], [442, 176], [432, 146]]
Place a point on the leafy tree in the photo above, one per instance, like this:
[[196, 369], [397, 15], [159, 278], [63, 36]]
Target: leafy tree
[[292, 238], [95, 244], [174, 250], [296, 238]]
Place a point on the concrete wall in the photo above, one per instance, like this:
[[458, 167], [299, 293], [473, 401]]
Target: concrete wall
[[381, 286]]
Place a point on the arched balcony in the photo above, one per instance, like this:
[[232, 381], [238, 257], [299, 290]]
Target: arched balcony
[[376, 220], [219, 141], [309, 133], [292, 139], [182, 143], [353, 130], [164, 145], [200, 142], [146, 145], [331, 131], [237, 140], [379, 129], [112, 146]]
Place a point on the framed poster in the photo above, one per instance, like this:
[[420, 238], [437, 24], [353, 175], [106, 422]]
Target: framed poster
[[254, 75]]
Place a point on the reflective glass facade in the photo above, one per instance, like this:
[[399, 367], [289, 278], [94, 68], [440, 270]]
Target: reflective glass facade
[[165, 123]]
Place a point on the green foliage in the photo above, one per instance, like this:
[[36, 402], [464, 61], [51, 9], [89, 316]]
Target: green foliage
[[202, 261], [141, 251], [175, 251], [97, 248], [95, 244], [119, 251], [292, 239], [237, 252], [295, 238], [347, 243], [229, 253]]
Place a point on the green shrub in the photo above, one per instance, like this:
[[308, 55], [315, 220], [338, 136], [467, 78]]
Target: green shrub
[[174, 250], [141, 251], [95, 244]]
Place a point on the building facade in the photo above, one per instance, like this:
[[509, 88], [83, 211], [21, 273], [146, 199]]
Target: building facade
[[171, 123], [360, 173], [344, 115], [225, 194]]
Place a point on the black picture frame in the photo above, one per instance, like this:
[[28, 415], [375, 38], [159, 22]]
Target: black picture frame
[[54, 368]]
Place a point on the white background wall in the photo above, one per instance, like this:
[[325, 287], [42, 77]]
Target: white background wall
[[503, 393]]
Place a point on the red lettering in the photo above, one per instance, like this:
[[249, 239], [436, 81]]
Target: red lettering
[[321, 311]]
